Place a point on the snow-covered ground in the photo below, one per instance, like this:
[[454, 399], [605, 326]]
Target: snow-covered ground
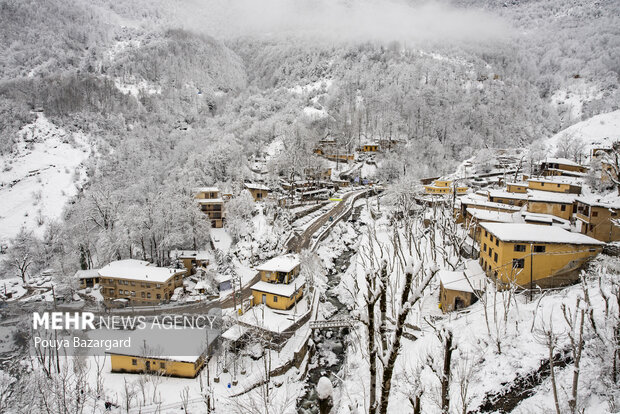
[[598, 131], [40, 176]]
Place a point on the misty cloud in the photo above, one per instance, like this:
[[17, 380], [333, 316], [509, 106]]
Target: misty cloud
[[385, 20]]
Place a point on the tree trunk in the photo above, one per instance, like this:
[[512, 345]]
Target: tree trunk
[[445, 377]]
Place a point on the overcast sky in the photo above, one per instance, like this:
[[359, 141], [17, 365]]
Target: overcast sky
[[384, 20]]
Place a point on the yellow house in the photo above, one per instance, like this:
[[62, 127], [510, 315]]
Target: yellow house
[[598, 219], [506, 197], [516, 187], [530, 255], [211, 204], [460, 289], [185, 367], [192, 259], [555, 186], [444, 187], [555, 204], [139, 282], [259, 191], [556, 166], [279, 287]]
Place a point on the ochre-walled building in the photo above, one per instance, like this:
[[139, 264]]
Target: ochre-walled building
[[557, 166], [506, 197], [528, 254], [185, 367], [444, 187], [555, 186], [139, 282], [259, 191], [280, 286], [598, 219], [559, 205], [211, 204], [516, 187], [460, 289]]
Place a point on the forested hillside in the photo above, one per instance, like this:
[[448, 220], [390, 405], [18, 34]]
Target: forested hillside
[[170, 101]]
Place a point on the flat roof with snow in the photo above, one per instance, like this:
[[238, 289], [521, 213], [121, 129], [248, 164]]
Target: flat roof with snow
[[284, 263], [191, 254], [210, 201], [280, 289], [533, 233], [597, 202], [507, 194], [551, 197], [255, 186], [489, 215], [562, 161], [207, 190], [138, 270]]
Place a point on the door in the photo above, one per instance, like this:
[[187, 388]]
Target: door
[[148, 365], [264, 299]]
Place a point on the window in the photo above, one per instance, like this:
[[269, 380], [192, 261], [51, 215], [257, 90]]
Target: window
[[158, 286], [158, 296], [519, 247], [495, 257], [134, 362], [563, 207], [486, 234], [148, 295], [162, 365], [490, 252], [111, 291], [595, 214], [143, 294], [133, 283], [275, 298], [133, 293], [542, 184], [518, 263], [484, 247], [558, 185], [496, 241], [539, 249], [491, 237]]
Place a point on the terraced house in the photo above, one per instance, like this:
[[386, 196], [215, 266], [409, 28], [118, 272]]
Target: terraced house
[[599, 219], [139, 282], [279, 286], [211, 204], [533, 255]]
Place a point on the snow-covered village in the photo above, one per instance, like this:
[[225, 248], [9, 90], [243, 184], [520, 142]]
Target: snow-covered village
[[313, 206]]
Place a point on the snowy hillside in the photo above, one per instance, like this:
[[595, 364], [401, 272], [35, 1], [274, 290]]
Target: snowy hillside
[[600, 130], [40, 176]]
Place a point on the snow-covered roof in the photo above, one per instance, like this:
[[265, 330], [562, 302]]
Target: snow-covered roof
[[468, 280], [138, 270], [280, 289], [488, 215], [557, 180], [533, 233], [83, 274], [209, 200], [255, 186], [551, 197], [489, 204], [284, 263], [507, 194], [545, 218], [564, 161], [206, 190], [598, 202]]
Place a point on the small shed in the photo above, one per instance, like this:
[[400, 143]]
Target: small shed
[[459, 289]]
